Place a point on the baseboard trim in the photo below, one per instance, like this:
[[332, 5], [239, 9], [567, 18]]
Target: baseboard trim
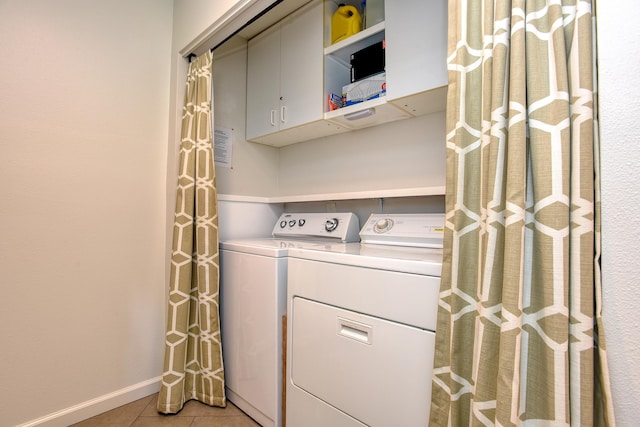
[[93, 407]]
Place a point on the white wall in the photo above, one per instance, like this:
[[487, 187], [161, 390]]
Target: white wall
[[405, 154], [83, 128], [618, 64]]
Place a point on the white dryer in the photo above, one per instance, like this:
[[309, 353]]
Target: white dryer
[[361, 322], [253, 290]]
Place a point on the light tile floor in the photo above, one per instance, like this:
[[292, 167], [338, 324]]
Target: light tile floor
[[143, 413]]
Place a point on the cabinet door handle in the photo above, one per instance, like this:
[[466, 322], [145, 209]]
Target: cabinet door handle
[[282, 110], [273, 117]]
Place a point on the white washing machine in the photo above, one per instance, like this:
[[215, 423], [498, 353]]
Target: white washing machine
[[253, 291], [361, 322]]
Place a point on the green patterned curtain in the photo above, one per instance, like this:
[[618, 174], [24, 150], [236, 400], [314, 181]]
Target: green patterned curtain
[[519, 339], [193, 353]]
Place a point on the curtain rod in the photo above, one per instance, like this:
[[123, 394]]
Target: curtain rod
[[191, 56]]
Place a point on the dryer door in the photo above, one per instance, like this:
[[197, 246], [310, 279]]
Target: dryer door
[[376, 371]]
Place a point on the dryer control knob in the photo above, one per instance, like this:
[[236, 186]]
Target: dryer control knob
[[383, 225], [331, 224]]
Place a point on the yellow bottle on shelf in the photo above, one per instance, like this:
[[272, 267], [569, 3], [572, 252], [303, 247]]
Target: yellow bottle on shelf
[[346, 21]]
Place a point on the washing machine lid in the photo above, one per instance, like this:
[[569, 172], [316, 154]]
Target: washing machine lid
[[270, 247], [266, 247], [415, 260]]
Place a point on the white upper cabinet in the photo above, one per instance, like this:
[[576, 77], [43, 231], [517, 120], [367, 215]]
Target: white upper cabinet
[[285, 101], [301, 68], [263, 84], [416, 39], [293, 67]]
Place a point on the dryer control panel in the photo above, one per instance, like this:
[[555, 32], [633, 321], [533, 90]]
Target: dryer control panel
[[420, 230], [335, 226]]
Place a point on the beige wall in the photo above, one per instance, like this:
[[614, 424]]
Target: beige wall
[[84, 101]]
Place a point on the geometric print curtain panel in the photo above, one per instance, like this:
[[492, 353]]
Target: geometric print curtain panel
[[193, 366], [519, 338]]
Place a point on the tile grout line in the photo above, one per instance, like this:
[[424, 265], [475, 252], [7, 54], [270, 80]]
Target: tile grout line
[[142, 411]]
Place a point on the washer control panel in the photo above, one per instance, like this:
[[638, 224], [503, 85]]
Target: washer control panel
[[420, 230], [338, 226]]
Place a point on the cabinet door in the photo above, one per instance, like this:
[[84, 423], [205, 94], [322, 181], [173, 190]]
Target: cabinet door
[[301, 67], [416, 46], [263, 83]]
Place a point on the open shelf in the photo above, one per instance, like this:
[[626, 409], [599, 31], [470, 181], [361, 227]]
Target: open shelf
[[349, 195], [343, 49]]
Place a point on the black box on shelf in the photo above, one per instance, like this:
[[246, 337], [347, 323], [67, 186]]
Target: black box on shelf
[[368, 61]]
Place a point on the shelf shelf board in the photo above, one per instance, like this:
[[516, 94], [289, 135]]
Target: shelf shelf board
[[359, 40], [348, 195]]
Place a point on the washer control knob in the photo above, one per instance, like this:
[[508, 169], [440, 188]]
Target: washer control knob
[[292, 222], [302, 222], [283, 224], [383, 225], [331, 224]]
